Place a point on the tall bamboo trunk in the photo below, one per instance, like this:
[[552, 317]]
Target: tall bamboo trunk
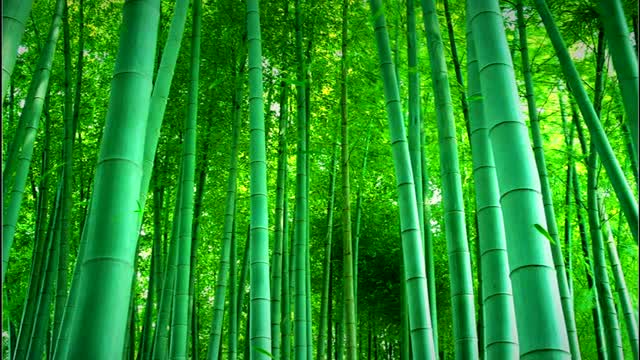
[[14, 19], [285, 323], [39, 251], [65, 225], [464, 321], [625, 61], [37, 343], [165, 304], [326, 272], [160, 94], [498, 312], [233, 296], [595, 305], [457, 68], [146, 340], [347, 251], [18, 160], [547, 196], [531, 264], [568, 131], [301, 341], [607, 305], [215, 336], [276, 265], [626, 306], [412, 249], [260, 316], [179, 339]]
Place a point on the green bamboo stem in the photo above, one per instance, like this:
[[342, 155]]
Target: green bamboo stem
[[62, 342], [243, 275], [547, 195], [19, 157], [307, 270], [180, 324], [101, 309], [632, 155], [356, 240], [276, 265], [416, 150], [79, 67], [568, 130], [301, 225], [500, 334], [607, 305], [14, 18], [405, 353], [412, 249], [347, 244], [195, 241], [6, 324], [233, 296], [130, 332], [415, 120], [307, 110], [464, 321], [429, 243], [626, 305], [285, 323], [215, 337], [260, 317], [146, 339], [582, 227], [625, 61], [65, 226], [531, 264], [160, 94], [457, 68], [38, 337], [11, 121], [326, 270], [39, 252], [161, 336]]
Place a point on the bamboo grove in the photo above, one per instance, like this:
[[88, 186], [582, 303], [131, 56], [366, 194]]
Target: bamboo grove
[[316, 179]]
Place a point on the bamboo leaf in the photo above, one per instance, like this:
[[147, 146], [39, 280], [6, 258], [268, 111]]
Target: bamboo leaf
[[544, 232], [476, 97], [263, 351]]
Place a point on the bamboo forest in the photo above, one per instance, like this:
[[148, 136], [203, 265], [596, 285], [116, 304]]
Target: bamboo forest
[[320, 179]]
